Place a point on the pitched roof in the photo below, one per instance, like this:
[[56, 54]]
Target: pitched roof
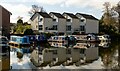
[[57, 15], [88, 16], [71, 15], [43, 14], [6, 9]]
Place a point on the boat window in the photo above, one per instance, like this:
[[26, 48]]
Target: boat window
[[25, 40], [56, 38], [13, 39]]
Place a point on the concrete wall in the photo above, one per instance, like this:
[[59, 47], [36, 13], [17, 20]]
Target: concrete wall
[[92, 26]]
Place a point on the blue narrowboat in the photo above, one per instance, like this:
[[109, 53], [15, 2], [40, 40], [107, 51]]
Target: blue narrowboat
[[32, 38], [41, 38], [19, 41]]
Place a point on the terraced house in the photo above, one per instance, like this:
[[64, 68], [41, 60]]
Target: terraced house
[[88, 23], [66, 23], [59, 22]]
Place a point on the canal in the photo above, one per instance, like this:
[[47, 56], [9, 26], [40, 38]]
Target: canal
[[103, 55]]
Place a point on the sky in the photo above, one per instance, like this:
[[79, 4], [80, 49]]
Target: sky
[[21, 7]]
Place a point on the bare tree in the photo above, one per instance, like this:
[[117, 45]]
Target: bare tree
[[36, 8]]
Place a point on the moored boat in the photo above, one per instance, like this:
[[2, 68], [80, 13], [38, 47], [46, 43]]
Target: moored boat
[[19, 41]]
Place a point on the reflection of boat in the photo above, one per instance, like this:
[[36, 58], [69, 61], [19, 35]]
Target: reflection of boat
[[56, 44], [104, 44], [104, 38]]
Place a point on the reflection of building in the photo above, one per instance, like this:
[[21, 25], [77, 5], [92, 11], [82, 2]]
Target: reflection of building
[[64, 56], [4, 21]]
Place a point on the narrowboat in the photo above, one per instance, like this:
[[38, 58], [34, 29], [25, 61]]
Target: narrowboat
[[86, 38], [41, 38], [19, 41], [62, 39], [32, 38], [57, 39]]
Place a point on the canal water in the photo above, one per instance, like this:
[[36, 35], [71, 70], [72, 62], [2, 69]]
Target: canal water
[[103, 55]]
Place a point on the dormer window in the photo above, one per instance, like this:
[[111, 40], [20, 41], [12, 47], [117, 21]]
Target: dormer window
[[40, 19], [68, 20]]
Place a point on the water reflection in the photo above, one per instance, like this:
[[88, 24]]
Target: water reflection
[[64, 56], [78, 54]]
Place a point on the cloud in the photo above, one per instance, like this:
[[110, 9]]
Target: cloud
[[20, 7], [97, 4], [17, 10], [50, 2]]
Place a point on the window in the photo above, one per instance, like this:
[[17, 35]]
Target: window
[[40, 27], [25, 40], [68, 27], [68, 20], [82, 20], [82, 28], [40, 19], [55, 27], [54, 19], [46, 28], [13, 39]]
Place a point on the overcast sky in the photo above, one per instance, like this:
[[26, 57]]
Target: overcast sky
[[21, 7]]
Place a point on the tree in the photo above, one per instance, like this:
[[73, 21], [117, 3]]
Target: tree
[[117, 9], [21, 27], [107, 16], [28, 32], [108, 22], [36, 8], [19, 21]]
